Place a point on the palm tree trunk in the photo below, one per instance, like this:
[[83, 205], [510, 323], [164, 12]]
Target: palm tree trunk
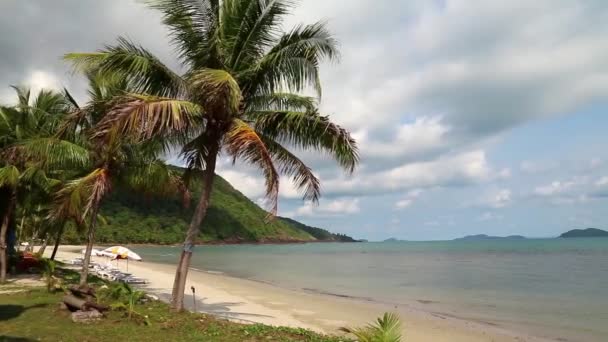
[[179, 284], [42, 248], [3, 230], [20, 232], [90, 240], [30, 244], [57, 241]]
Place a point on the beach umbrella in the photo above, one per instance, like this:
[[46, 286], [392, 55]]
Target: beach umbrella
[[122, 253]]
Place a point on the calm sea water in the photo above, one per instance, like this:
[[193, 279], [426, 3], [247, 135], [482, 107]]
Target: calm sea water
[[555, 287]]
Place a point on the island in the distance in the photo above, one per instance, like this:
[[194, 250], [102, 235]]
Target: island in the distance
[[488, 237], [589, 232]]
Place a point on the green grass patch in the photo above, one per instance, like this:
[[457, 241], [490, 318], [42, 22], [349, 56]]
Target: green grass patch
[[36, 316]]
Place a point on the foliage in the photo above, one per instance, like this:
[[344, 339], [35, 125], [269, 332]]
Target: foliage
[[232, 217], [123, 297], [386, 329], [48, 273], [318, 233]]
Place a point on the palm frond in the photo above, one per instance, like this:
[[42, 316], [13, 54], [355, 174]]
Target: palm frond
[[258, 28], [144, 117], [144, 72], [385, 329], [309, 130], [282, 102], [36, 175], [293, 63], [193, 26], [157, 179], [78, 196], [52, 153], [242, 142], [23, 95], [290, 165], [195, 151], [9, 176]]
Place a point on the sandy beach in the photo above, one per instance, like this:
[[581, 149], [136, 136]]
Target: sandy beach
[[249, 301]]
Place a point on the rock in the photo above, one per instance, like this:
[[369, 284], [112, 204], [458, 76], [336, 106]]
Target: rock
[[86, 316], [62, 306], [151, 297]]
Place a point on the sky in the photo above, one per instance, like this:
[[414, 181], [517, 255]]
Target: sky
[[471, 116]]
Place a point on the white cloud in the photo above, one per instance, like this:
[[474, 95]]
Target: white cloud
[[34, 81], [489, 216], [555, 188], [452, 170], [250, 186], [337, 207], [404, 203], [501, 199], [602, 181], [532, 167], [408, 200], [423, 135]]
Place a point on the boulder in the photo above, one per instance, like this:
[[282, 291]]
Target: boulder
[[86, 316]]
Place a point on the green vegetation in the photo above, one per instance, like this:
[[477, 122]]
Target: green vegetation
[[589, 232], [318, 233], [35, 316], [232, 218], [386, 329]]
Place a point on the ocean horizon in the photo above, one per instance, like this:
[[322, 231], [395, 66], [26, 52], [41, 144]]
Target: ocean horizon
[[547, 287]]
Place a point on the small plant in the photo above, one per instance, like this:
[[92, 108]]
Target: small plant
[[125, 298], [48, 272], [385, 329]]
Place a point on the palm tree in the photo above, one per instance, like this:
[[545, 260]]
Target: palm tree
[[121, 161], [240, 93], [30, 118]]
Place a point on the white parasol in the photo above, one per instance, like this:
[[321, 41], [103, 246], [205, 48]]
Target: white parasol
[[120, 252]]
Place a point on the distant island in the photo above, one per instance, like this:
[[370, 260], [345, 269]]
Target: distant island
[[589, 232], [488, 237], [391, 240]]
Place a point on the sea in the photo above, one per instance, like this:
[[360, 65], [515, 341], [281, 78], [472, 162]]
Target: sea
[[548, 287]]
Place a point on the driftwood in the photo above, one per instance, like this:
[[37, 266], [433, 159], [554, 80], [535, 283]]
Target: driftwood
[[76, 303], [83, 291]]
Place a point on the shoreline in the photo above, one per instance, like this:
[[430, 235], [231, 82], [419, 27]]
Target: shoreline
[[219, 243], [253, 301]]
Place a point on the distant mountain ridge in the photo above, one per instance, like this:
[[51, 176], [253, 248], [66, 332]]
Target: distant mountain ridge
[[488, 237], [232, 218], [319, 233], [589, 232]]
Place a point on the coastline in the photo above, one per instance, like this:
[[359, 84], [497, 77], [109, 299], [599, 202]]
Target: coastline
[[250, 301]]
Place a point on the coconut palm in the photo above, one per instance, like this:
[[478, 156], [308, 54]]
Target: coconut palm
[[240, 93], [121, 161], [20, 178]]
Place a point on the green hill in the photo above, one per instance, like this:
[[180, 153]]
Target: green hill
[[589, 232], [318, 233], [231, 218]]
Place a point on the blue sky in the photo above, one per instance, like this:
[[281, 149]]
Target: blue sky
[[471, 116]]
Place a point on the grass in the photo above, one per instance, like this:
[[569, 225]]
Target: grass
[[35, 316]]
